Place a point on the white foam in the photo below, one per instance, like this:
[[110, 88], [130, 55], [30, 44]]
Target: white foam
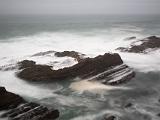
[[92, 45], [23, 88], [96, 43], [92, 86], [143, 62]]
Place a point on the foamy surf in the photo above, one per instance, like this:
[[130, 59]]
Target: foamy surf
[[93, 86], [18, 86]]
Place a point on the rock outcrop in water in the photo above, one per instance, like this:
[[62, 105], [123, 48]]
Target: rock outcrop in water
[[8, 99], [115, 75], [104, 66], [18, 109], [149, 43], [78, 56]]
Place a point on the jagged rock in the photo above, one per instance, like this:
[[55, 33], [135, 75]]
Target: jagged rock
[[8, 99], [78, 56], [26, 64], [85, 68], [35, 72], [151, 42], [115, 75], [31, 111], [18, 109]]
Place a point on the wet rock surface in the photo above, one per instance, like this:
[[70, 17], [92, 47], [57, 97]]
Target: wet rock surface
[[8, 99], [151, 42], [87, 67], [115, 75], [107, 68], [18, 109], [78, 56]]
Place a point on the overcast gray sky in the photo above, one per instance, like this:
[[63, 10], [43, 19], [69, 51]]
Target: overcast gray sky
[[79, 6]]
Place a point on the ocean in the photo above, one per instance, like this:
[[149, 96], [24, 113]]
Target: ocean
[[21, 36]]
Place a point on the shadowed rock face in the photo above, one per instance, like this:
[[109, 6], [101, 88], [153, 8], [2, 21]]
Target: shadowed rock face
[[18, 109], [85, 68], [152, 42], [8, 99]]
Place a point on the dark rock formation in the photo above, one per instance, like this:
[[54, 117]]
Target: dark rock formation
[[107, 69], [78, 56], [115, 75], [152, 42], [26, 64], [85, 68], [8, 99], [18, 109]]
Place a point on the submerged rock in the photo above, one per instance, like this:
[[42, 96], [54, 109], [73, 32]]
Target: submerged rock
[[115, 75], [149, 43], [107, 68], [18, 109], [78, 56]]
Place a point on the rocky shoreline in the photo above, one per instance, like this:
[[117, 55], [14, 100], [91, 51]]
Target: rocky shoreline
[[16, 108]]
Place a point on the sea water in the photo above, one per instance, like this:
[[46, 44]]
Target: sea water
[[22, 36]]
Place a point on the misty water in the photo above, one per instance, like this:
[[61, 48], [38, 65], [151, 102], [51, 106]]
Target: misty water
[[23, 36]]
